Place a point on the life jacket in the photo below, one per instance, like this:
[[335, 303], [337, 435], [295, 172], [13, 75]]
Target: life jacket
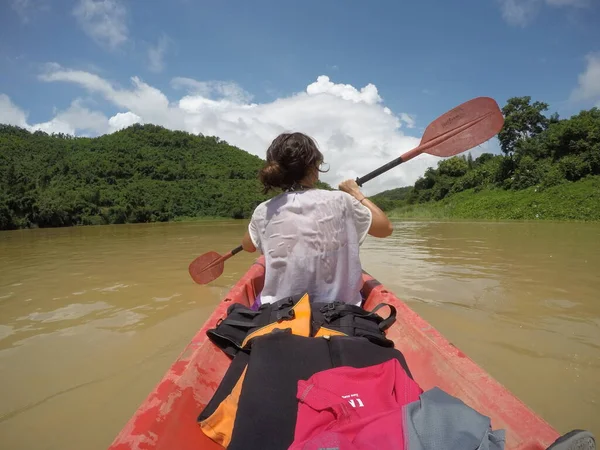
[[293, 314], [266, 409], [235, 332]]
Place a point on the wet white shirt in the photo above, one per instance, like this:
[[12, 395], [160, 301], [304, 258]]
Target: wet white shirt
[[311, 241]]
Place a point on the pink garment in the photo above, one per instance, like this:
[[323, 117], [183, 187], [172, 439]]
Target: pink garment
[[349, 408]]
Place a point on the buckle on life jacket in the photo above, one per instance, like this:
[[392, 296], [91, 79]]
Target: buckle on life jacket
[[287, 315], [328, 307], [285, 303]]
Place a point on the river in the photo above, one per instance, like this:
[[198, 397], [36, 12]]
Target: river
[[92, 317]]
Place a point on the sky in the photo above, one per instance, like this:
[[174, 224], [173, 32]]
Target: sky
[[363, 78]]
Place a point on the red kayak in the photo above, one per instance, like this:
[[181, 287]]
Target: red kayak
[[166, 420]]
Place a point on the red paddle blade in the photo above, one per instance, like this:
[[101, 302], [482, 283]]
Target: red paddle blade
[[206, 268], [463, 128]]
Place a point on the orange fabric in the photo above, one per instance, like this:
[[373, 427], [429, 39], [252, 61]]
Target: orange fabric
[[328, 332], [300, 324], [219, 426]]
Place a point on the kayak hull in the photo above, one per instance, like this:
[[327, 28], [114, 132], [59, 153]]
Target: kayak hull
[[167, 418]]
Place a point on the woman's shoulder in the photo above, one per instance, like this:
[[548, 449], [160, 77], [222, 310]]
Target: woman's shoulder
[[328, 193], [334, 195]]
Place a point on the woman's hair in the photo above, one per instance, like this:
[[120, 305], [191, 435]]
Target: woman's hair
[[290, 158]]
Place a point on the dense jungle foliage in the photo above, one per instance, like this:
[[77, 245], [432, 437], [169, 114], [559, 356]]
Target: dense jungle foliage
[[144, 173]]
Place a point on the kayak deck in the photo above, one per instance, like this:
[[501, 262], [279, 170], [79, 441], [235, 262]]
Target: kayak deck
[[167, 418]]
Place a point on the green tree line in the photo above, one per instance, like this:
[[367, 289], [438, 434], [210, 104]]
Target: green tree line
[[144, 173], [538, 152]]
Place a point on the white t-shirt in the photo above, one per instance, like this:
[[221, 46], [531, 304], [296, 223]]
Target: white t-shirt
[[311, 241]]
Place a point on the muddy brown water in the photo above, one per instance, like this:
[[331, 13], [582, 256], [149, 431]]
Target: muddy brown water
[[92, 317]]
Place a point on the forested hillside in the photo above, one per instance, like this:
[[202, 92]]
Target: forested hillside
[[547, 159], [147, 173], [144, 173]]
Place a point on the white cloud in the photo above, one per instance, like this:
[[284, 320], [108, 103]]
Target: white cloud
[[355, 131], [143, 100], [589, 81], [156, 54], [215, 90], [103, 20], [75, 120], [519, 12], [323, 85], [10, 114], [123, 120], [522, 12], [408, 120]]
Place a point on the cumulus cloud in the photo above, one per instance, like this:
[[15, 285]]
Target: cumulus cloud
[[354, 129], [324, 85], [215, 90], [522, 12], [123, 120], [76, 119], [589, 81], [156, 54], [105, 21], [11, 114]]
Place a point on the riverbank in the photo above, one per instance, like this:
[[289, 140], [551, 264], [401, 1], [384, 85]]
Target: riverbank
[[577, 201]]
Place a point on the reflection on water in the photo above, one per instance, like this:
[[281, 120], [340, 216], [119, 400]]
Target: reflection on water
[[92, 317]]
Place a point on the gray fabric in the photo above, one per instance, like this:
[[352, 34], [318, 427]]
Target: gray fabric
[[440, 421]]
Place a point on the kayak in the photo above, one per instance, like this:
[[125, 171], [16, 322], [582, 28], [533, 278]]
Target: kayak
[[167, 418]]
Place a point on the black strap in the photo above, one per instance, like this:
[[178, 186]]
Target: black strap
[[240, 323], [334, 310], [389, 320]]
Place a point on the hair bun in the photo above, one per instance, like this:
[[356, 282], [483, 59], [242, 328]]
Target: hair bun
[[272, 174]]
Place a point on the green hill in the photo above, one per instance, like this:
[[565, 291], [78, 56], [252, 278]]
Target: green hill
[[392, 198], [144, 173]]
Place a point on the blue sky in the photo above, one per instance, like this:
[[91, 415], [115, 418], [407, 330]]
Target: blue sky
[[243, 70]]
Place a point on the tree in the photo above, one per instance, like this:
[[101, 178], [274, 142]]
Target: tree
[[521, 120]]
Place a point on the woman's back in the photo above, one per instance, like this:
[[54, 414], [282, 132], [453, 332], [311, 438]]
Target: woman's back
[[310, 239]]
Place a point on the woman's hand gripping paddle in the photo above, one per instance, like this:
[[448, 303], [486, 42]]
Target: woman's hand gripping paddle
[[209, 266], [457, 131]]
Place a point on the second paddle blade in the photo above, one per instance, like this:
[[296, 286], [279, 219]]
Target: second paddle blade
[[472, 123], [203, 269]]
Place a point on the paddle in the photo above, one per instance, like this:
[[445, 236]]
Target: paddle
[[209, 266], [457, 131]]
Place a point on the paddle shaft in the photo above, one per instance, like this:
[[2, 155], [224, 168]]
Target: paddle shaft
[[225, 257], [395, 162]]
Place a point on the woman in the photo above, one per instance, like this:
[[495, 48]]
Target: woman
[[310, 237]]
